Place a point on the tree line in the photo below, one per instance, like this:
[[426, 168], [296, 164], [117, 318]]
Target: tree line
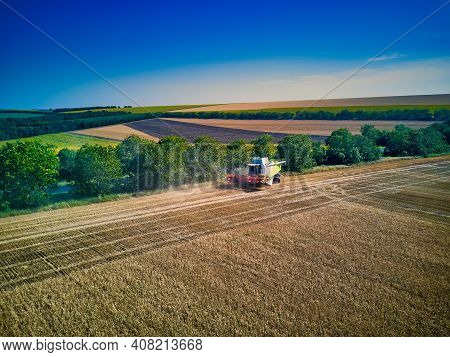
[[345, 114], [14, 128], [59, 110], [31, 111], [31, 170]]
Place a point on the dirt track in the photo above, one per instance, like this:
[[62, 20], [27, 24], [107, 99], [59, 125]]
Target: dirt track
[[48, 244]]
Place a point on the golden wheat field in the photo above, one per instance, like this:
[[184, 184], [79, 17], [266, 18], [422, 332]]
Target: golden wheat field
[[311, 127], [359, 251], [115, 132]]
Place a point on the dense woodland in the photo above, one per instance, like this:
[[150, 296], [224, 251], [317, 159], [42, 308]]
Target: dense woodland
[[30, 170]]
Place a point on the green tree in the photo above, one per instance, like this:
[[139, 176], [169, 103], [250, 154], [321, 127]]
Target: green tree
[[342, 148], [238, 154], [367, 148], [172, 169], [442, 114], [370, 132], [67, 164], [383, 138], [28, 172], [141, 157], [427, 141], [97, 170], [319, 153], [443, 128], [398, 141], [298, 152], [405, 141], [204, 160], [263, 146]]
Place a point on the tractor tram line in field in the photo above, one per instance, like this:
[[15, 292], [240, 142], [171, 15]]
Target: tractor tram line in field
[[87, 212], [47, 254], [213, 208], [141, 204], [189, 207], [136, 209], [304, 189], [413, 202], [92, 260]]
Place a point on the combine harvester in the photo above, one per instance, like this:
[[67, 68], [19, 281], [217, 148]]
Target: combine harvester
[[259, 172]]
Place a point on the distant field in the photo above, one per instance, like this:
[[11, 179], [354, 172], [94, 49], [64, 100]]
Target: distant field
[[149, 109], [311, 127], [160, 128], [66, 140], [412, 100], [115, 132], [378, 108]]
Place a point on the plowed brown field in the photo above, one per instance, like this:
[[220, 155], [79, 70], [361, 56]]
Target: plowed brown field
[[359, 251], [311, 127]]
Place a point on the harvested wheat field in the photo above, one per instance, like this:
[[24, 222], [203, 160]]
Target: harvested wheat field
[[433, 99], [311, 127], [115, 132], [359, 251]]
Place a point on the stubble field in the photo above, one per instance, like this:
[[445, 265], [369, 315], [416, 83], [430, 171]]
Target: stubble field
[[359, 251]]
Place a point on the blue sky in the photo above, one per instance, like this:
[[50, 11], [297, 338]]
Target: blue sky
[[179, 52]]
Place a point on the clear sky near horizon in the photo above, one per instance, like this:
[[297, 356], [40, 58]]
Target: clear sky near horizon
[[184, 52]]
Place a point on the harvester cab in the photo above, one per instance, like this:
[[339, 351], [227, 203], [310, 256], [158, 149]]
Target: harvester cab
[[260, 171]]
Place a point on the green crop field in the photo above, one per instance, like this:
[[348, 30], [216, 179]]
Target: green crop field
[[67, 140], [338, 109]]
